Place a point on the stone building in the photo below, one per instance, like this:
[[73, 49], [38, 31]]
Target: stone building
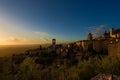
[[97, 45], [114, 46], [53, 46], [89, 36], [114, 49], [53, 41], [114, 33], [108, 42]]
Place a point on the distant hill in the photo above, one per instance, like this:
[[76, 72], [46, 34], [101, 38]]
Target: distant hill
[[6, 50]]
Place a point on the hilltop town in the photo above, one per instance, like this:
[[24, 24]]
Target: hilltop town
[[80, 60], [107, 43]]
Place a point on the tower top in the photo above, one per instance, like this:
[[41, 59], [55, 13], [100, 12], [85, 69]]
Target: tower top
[[89, 37], [53, 41]]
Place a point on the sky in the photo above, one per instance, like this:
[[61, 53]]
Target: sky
[[38, 21]]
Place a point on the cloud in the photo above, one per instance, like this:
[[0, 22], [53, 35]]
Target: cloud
[[21, 34], [97, 30], [45, 40], [14, 39]]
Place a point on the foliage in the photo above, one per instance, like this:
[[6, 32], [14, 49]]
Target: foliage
[[88, 67], [26, 69]]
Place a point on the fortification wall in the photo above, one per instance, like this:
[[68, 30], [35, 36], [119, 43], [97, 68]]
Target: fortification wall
[[97, 45], [114, 49]]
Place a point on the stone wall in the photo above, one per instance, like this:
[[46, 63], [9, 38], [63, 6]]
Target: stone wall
[[114, 49], [97, 45]]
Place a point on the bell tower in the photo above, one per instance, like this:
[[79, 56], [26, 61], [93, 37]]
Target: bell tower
[[89, 37], [53, 41], [111, 31]]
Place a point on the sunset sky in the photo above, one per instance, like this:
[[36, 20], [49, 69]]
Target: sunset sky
[[38, 21]]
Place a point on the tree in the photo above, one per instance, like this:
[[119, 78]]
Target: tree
[[26, 69]]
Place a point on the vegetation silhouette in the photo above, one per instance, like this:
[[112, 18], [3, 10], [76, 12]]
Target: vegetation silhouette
[[44, 66]]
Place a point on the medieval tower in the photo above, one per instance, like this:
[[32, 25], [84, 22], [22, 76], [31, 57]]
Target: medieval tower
[[111, 32], [53, 41], [89, 37]]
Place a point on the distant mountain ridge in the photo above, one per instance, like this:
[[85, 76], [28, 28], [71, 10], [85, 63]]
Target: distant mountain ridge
[[7, 50]]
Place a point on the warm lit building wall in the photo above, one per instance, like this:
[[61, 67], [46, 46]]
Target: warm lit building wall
[[118, 35], [86, 43], [97, 45], [114, 49], [78, 43]]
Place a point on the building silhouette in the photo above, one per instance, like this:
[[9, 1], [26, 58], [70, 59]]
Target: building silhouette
[[108, 42], [53, 41], [89, 36]]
